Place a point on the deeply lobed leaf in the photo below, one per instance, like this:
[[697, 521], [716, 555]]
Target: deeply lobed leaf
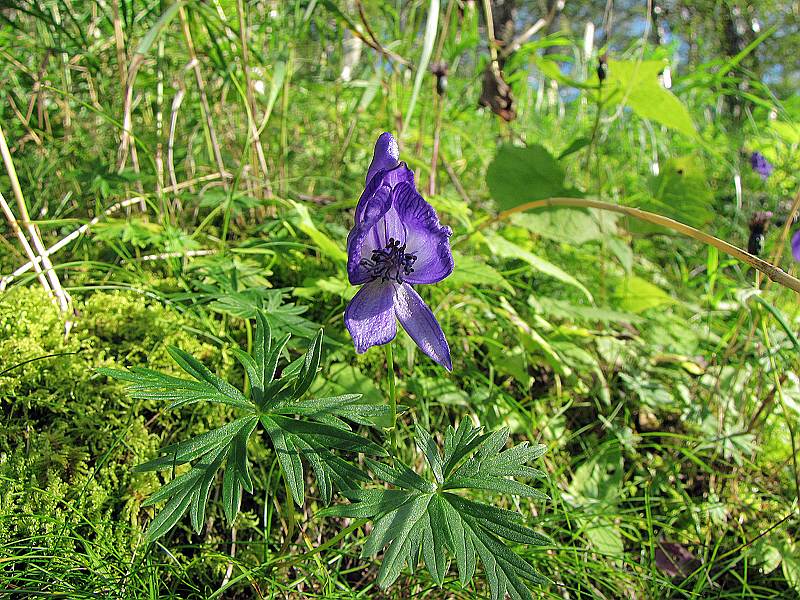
[[423, 519]]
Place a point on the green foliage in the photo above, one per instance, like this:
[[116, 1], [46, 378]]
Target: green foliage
[[316, 429], [635, 84], [519, 175], [69, 439], [428, 517], [503, 248], [680, 191], [660, 376]]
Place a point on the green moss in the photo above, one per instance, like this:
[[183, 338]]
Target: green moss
[[70, 437]]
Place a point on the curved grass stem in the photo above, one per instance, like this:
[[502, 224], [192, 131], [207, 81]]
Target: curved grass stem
[[772, 271]]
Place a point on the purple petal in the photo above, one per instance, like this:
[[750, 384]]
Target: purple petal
[[362, 239], [425, 236], [796, 245], [418, 320], [370, 316], [389, 178], [761, 165], [385, 156]]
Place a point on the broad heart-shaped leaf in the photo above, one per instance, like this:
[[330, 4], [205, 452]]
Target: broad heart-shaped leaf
[[427, 518], [635, 84], [298, 427], [519, 175]]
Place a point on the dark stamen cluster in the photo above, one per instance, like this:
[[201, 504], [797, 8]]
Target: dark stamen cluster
[[391, 262]]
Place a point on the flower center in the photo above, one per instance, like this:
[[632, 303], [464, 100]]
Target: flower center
[[391, 262]]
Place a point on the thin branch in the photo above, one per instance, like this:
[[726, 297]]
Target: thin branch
[[374, 43], [12, 221], [775, 273], [787, 227], [52, 276], [523, 37], [492, 41], [35, 260]]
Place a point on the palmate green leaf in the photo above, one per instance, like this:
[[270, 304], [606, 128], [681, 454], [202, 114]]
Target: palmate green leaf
[[186, 451], [353, 407], [425, 518], [299, 429], [146, 384], [296, 438]]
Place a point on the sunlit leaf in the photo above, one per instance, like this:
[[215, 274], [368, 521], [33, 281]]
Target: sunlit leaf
[[422, 519]]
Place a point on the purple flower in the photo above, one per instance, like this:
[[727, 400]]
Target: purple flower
[[396, 241], [760, 165], [796, 245]]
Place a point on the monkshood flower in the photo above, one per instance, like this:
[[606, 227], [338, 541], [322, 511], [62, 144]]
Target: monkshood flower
[[396, 241], [796, 245], [760, 165]]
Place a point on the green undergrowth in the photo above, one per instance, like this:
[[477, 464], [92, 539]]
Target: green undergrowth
[[70, 436]]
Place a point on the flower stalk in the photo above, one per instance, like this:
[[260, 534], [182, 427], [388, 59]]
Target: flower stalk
[[392, 396]]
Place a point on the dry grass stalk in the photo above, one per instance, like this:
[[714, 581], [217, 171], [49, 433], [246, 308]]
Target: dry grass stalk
[[52, 276]]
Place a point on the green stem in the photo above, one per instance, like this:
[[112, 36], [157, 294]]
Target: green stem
[[290, 516], [249, 329], [392, 394], [774, 272]]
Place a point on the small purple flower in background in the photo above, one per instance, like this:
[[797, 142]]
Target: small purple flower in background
[[760, 165], [396, 241], [796, 245]]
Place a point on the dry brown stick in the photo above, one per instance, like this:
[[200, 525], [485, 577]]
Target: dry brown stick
[[52, 276], [787, 227], [33, 135], [127, 109], [173, 120], [492, 41], [37, 87], [523, 37], [34, 263], [201, 88], [774, 272], [375, 44], [176, 104], [159, 157], [456, 181], [66, 240], [119, 42], [12, 222], [363, 16]]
